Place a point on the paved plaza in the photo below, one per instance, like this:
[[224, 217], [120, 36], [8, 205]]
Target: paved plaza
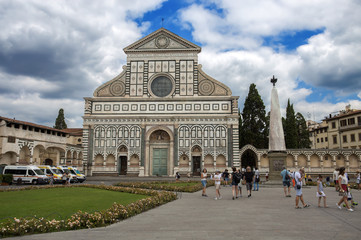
[[266, 215]]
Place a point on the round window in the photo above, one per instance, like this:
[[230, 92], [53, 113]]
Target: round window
[[161, 86]]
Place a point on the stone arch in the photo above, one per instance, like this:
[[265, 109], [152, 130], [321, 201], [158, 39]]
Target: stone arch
[[122, 150], [155, 128], [327, 161], [39, 154], [183, 160], [315, 161], [56, 154], [75, 158], [110, 160], [247, 147], [340, 160], [99, 160], [249, 158], [80, 159], [354, 162], [264, 161], [8, 158], [221, 161], [49, 162], [134, 160], [302, 160], [24, 156], [69, 158], [290, 160], [208, 161]]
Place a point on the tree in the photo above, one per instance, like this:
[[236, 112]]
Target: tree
[[254, 127], [60, 120], [290, 127], [303, 133]]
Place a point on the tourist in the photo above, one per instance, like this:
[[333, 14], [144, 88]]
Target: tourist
[[267, 174], [217, 184], [298, 187], [320, 194], [256, 179], [342, 183], [225, 176], [328, 181], [335, 178], [240, 183], [235, 181], [358, 179], [309, 178], [204, 182], [177, 176], [248, 177], [286, 179]]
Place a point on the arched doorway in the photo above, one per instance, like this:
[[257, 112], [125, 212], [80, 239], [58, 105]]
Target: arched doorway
[[249, 158], [122, 160], [196, 160], [48, 162], [159, 151]]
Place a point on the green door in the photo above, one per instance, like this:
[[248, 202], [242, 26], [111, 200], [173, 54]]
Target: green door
[[160, 156]]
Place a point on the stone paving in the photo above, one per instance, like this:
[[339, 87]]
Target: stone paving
[[266, 215]]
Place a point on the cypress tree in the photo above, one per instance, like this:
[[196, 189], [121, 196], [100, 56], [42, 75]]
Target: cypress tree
[[253, 127], [303, 133], [290, 127], [60, 120]]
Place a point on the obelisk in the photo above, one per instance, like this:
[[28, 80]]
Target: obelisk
[[276, 147]]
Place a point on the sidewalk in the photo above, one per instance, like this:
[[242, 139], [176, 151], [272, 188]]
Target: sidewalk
[[266, 215]]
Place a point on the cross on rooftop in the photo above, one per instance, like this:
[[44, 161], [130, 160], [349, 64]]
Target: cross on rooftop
[[274, 80]]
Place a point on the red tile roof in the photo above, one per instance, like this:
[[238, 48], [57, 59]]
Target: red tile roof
[[9, 120]]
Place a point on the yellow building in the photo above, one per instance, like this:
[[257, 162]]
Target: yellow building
[[341, 131]]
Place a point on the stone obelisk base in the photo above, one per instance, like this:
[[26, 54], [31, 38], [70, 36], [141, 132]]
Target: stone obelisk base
[[277, 160]]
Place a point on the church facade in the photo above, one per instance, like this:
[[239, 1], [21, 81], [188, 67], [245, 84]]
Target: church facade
[[161, 115]]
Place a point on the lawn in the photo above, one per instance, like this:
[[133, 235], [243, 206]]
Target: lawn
[[60, 203]]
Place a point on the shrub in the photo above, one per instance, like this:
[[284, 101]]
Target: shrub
[[193, 186], [7, 178]]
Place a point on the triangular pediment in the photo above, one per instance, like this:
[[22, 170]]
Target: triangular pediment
[[162, 40]]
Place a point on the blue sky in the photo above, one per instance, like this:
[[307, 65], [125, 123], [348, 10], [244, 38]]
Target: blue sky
[[54, 53]]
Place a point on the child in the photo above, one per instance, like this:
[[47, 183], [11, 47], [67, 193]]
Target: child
[[266, 176], [217, 183], [320, 194], [350, 198], [177, 177]]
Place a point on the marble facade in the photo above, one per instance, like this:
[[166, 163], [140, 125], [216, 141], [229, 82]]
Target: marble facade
[[161, 115]]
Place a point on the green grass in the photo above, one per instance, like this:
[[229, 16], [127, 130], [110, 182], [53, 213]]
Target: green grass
[[60, 203]]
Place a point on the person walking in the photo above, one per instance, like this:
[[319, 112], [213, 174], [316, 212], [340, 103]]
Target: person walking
[[204, 181], [335, 178], [342, 183], [256, 180], [248, 177], [358, 180], [225, 176], [235, 181], [320, 194], [298, 187], [286, 180], [217, 183]]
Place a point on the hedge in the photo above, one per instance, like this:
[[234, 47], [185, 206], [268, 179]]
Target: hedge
[[163, 185]]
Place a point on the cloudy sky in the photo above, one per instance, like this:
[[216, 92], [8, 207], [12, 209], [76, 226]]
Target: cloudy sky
[[54, 53]]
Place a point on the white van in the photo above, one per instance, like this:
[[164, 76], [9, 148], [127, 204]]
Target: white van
[[73, 170], [27, 174], [52, 172], [64, 169]]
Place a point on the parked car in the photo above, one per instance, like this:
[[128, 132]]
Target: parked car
[[27, 174]]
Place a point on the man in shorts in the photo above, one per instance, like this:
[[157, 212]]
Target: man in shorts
[[298, 188], [286, 179]]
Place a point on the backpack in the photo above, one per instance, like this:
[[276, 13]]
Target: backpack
[[237, 177], [287, 176]]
